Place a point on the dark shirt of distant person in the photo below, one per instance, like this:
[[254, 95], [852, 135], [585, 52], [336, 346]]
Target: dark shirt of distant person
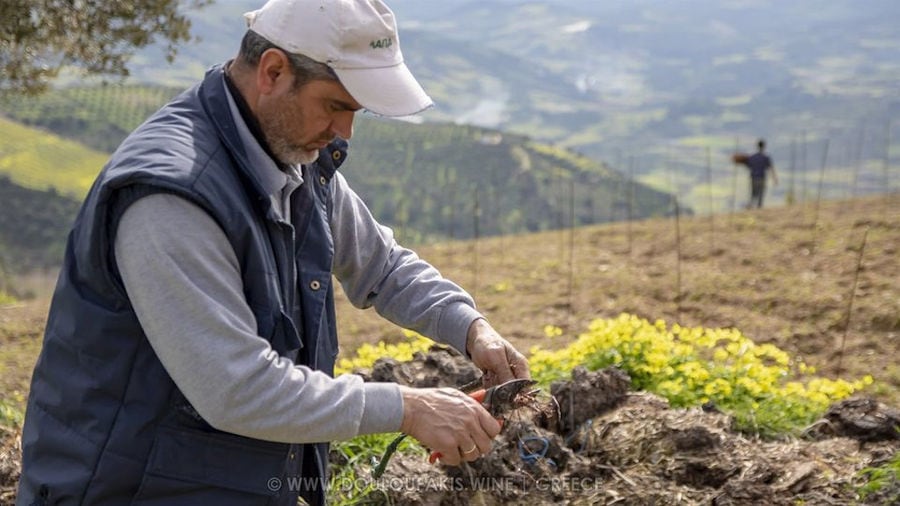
[[759, 164]]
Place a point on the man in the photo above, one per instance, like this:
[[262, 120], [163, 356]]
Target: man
[[759, 164], [190, 343]]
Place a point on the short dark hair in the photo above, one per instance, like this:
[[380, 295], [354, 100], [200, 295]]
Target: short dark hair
[[305, 69], [761, 143]]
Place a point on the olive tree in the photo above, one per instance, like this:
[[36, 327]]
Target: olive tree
[[38, 38]]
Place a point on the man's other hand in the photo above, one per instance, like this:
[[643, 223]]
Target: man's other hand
[[499, 360]]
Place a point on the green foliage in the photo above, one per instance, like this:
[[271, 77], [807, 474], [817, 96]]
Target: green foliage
[[41, 37], [11, 413], [766, 391], [350, 481], [33, 229], [882, 483]]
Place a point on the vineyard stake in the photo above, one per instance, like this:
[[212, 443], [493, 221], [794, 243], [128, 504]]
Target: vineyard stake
[[678, 264], [887, 164], [734, 173], [451, 208], [571, 250], [815, 223], [859, 258], [791, 195], [803, 168], [712, 213], [476, 216], [630, 200], [859, 160]]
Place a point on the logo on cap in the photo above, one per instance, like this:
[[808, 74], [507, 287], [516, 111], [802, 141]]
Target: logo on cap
[[382, 43]]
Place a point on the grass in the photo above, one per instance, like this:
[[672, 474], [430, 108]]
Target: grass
[[21, 328], [40, 160], [881, 483]]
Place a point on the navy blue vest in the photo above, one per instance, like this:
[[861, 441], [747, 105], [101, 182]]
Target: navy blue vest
[[105, 424]]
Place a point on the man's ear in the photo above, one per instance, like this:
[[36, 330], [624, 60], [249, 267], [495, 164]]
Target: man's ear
[[273, 71]]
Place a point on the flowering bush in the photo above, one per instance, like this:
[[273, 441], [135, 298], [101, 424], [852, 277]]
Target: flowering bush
[[759, 384], [765, 390]]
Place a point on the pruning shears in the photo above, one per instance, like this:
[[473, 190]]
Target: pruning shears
[[497, 400]]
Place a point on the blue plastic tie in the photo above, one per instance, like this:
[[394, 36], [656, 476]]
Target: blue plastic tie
[[530, 456]]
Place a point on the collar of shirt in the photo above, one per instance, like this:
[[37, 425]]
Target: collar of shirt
[[278, 182]]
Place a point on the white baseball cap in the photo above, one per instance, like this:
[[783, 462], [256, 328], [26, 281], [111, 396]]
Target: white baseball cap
[[356, 38]]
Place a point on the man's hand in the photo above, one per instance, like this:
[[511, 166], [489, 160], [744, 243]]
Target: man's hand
[[494, 355], [448, 421]]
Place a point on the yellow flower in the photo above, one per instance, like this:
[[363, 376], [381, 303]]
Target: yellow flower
[[552, 331]]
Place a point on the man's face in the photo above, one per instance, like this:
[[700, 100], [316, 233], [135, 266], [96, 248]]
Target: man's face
[[298, 122]]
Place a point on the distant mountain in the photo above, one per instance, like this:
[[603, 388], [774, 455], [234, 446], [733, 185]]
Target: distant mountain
[[653, 82]]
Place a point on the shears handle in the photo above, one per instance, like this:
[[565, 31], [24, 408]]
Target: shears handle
[[478, 395]]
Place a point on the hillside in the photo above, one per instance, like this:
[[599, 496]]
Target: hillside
[[41, 160], [33, 229], [512, 183], [98, 117]]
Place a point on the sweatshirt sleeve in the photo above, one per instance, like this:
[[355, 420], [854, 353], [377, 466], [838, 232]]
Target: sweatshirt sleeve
[[375, 270], [184, 282]]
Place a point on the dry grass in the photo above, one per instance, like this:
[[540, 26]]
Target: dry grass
[[767, 272]]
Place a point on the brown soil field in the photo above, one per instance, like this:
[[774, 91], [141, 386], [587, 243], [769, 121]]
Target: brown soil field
[[821, 282], [784, 276]]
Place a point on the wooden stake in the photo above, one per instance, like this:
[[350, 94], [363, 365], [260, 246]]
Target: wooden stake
[[887, 164], [791, 194], [734, 174], [857, 167], [476, 217], [859, 258], [678, 258], [803, 166], [815, 224], [630, 200], [571, 251], [712, 212]]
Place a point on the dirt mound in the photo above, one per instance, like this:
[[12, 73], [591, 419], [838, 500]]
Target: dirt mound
[[440, 367], [862, 418], [601, 444]]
